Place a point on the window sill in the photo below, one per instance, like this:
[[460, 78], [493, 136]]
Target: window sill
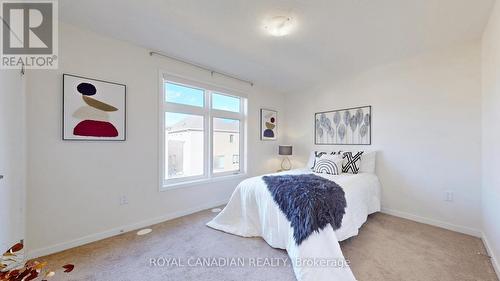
[[193, 183]]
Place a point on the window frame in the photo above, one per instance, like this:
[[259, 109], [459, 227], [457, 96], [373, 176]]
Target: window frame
[[208, 116]]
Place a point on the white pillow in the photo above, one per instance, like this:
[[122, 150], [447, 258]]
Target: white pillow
[[310, 162], [368, 161]]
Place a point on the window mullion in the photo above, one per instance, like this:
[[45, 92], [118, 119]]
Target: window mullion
[[226, 114], [209, 134], [242, 136], [179, 108]]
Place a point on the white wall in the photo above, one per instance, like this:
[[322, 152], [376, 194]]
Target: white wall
[[491, 135], [74, 187], [12, 157], [426, 126]]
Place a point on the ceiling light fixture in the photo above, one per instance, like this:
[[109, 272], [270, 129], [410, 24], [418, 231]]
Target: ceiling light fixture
[[279, 25]]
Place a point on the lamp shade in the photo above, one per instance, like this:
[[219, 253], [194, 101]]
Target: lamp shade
[[285, 150]]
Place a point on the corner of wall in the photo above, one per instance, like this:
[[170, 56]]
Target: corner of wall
[[493, 257]]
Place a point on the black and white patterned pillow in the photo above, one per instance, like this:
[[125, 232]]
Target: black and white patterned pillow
[[318, 154], [327, 166], [352, 162]]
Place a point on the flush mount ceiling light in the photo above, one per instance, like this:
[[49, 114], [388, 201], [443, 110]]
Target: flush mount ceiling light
[[279, 25]]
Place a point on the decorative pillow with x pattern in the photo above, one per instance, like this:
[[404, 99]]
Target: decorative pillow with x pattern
[[352, 162]]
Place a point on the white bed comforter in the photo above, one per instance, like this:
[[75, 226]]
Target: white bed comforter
[[252, 212]]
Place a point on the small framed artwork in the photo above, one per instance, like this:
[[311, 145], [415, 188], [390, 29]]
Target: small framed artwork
[[345, 126], [268, 124], [93, 109]]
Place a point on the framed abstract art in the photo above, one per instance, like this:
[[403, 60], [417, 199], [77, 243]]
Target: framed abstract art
[[344, 126], [268, 124], [93, 109]]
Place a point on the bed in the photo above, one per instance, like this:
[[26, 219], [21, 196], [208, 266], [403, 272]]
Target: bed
[[252, 212]]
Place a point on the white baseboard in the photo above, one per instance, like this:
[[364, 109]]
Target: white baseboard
[[118, 230], [442, 224], [490, 251]]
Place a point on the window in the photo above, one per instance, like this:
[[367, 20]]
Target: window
[[184, 95], [184, 137], [222, 128], [236, 158], [218, 162], [223, 102], [202, 132]]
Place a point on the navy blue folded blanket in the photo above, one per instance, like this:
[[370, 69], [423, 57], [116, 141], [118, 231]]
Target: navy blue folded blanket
[[308, 201]]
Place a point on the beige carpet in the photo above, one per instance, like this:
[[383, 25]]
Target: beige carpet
[[387, 249]]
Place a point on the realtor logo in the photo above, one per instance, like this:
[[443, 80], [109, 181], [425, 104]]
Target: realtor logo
[[29, 34]]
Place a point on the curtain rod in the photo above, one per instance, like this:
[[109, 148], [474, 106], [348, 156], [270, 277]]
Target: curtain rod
[[206, 68]]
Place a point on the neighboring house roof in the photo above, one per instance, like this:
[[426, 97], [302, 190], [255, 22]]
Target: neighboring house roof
[[193, 123]]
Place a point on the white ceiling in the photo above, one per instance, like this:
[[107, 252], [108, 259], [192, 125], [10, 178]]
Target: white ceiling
[[333, 37]]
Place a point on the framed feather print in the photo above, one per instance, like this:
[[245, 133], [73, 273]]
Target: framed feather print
[[350, 126]]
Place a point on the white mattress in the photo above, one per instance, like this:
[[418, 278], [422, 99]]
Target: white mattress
[[252, 212]]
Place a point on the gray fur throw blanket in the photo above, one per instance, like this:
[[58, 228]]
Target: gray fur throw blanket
[[308, 201]]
